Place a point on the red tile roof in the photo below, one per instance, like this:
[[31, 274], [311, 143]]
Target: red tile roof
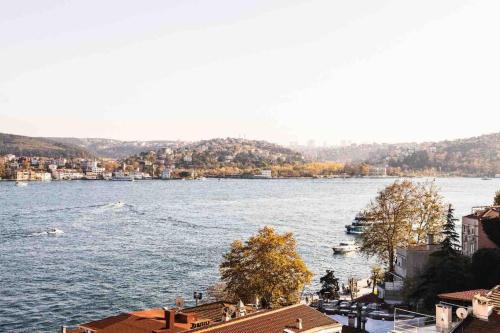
[[474, 325], [268, 321], [275, 321], [466, 295]]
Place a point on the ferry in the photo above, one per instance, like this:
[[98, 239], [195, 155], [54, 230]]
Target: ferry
[[345, 247], [358, 225]]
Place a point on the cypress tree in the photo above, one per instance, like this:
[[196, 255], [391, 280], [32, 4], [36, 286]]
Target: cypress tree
[[450, 243]]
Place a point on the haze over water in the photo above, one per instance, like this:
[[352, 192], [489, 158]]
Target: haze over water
[[166, 238]]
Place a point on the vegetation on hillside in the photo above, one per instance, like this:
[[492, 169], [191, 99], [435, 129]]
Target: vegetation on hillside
[[31, 146]]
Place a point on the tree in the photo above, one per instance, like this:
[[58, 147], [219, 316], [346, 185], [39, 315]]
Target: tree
[[400, 218], [450, 242], [486, 268], [329, 286], [267, 266], [496, 200], [377, 275], [443, 273], [428, 212]]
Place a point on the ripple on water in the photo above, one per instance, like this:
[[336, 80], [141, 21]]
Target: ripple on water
[[128, 246]]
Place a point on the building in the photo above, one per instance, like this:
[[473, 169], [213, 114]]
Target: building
[[264, 174], [166, 174], [473, 235], [410, 262], [479, 312], [218, 317]]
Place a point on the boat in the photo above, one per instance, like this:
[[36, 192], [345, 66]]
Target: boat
[[358, 226], [54, 232], [20, 184], [345, 247], [121, 176], [486, 178]]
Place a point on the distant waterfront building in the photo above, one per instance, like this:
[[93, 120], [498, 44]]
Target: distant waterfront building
[[218, 317], [264, 174], [166, 174], [473, 235]]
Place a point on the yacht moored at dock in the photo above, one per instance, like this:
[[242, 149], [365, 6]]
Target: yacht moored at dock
[[358, 226]]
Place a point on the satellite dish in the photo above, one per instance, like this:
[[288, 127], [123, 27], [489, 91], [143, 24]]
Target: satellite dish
[[179, 302], [462, 313]]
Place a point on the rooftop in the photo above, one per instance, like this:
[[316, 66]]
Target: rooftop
[[268, 321], [466, 295]]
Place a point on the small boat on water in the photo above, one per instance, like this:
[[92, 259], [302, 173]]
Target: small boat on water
[[486, 178], [54, 232], [21, 184], [345, 247]]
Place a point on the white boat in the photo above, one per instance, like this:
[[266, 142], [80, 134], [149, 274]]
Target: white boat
[[21, 184], [345, 247], [54, 232]]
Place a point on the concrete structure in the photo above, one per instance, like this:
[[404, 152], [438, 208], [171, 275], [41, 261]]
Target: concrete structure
[[411, 260], [473, 234]]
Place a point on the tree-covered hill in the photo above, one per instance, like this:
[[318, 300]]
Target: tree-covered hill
[[32, 146]]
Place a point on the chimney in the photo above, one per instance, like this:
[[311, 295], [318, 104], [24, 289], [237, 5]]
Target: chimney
[[63, 329], [430, 239], [481, 307], [298, 323], [169, 318]]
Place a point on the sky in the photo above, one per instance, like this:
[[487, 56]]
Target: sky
[[283, 71]]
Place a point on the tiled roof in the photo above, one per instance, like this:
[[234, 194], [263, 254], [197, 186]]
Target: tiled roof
[[466, 295], [268, 321], [474, 325], [275, 321]]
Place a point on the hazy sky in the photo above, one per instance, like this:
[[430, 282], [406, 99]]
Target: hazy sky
[[283, 71]]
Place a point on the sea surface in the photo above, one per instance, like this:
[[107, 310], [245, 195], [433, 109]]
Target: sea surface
[[134, 245]]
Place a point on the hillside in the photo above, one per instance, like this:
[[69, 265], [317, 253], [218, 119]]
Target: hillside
[[471, 156], [32, 146], [115, 148], [240, 152]]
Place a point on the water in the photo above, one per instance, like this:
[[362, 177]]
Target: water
[[134, 245]]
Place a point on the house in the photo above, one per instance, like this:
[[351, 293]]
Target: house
[[218, 317], [166, 174], [473, 235], [410, 262], [479, 314]]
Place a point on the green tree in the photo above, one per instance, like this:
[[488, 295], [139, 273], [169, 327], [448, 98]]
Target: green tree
[[486, 268], [400, 218], [450, 242], [443, 273], [267, 266], [329, 286], [496, 200]]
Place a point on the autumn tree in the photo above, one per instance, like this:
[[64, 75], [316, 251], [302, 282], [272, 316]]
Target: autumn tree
[[267, 266], [377, 276], [329, 286], [400, 218], [496, 200]]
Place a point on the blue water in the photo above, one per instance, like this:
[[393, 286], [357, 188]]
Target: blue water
[[166, 239]]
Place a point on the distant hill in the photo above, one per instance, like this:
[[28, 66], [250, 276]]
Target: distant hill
[[471, 156], [116, 148], [237, 152], [32, 146]]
